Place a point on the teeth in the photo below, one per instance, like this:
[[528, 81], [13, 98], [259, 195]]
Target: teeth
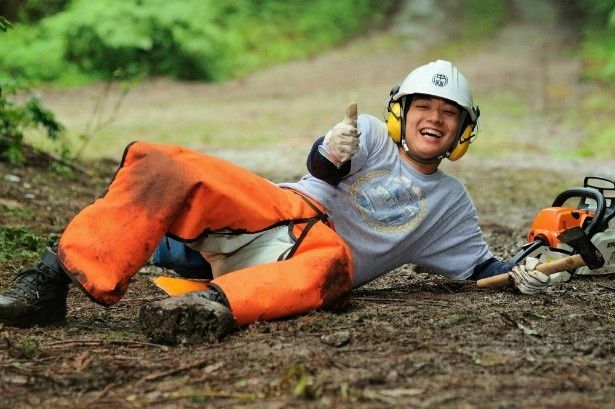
[[431, 132]]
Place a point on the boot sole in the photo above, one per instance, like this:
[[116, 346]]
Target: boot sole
[[186, 320]]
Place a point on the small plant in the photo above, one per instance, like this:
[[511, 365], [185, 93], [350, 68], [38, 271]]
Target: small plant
[[21, 348], [4, 24], [300, 381], [17, 243], [30, 347], [15, 119], [98, 120]]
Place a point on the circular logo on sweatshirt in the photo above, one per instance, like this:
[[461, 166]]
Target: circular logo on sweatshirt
[[387, 203]]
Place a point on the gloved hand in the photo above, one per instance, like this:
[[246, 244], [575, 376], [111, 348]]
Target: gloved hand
[[342, 141], [531, 281]]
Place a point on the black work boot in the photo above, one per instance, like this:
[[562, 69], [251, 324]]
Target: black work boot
[[37, 296], [191, 318]]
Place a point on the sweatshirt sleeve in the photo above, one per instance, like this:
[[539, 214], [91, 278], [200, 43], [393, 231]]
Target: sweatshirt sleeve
[[322, 169], [489, 268]]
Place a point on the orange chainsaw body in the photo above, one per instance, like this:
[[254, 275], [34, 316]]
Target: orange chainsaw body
[[550, 222]]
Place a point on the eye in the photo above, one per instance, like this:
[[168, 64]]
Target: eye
[[450, 111]]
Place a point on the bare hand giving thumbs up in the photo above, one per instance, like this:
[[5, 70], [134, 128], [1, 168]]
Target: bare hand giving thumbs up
[[342, 141]]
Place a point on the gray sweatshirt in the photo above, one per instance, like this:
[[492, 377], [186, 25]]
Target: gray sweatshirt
[[390, 214]]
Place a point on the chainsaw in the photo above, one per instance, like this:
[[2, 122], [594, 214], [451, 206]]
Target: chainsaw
[[594, 213]]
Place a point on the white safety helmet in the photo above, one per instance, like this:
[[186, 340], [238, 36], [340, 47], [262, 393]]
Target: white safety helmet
[[440, 79]]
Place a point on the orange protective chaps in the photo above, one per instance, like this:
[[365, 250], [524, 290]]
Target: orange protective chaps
[[163, 189]]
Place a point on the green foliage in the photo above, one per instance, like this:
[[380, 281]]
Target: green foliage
[[599, 55], [598, 18], [34, 10], [299, 379], [27, 348], [191, 39], [30, 10], [16, 118], [598, 11], [4, 24], [17, 243], [491, 12]]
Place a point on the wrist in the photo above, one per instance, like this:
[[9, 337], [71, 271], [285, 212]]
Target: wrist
[[323, 150]]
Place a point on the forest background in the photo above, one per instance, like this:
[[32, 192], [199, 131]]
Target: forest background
[[66, 44]]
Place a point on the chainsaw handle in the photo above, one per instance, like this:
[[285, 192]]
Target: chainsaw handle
[[585, 192], [552, 267]]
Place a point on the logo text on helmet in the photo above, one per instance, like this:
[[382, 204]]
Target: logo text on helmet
[[439, 80]]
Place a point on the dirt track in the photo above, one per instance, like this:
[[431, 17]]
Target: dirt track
[[409, 339]]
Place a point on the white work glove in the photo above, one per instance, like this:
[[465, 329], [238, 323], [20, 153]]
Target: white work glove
[[528, 280], [342, 141]]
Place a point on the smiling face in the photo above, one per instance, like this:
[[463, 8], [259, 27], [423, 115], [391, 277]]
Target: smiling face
[[431, 126]]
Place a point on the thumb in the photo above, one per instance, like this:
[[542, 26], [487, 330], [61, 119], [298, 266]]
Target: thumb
[[351, 114]]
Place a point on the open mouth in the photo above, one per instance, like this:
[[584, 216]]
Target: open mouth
[[431, 133]]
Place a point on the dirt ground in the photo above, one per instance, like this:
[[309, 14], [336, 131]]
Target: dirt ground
[[409, 339]]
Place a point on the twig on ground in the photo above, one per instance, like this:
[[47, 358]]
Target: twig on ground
[[60, 160], [102, 342], [102, 393], [164, 374], [209, 394], [377, 299]]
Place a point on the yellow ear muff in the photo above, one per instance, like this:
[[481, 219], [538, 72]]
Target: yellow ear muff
[[393, 121], [464, 143]]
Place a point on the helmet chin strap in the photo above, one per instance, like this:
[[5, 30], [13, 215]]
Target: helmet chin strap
[[434, 159]]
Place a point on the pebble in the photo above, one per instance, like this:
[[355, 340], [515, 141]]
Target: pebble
[[12, 178], [336, 339]]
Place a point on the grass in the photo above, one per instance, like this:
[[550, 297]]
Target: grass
[[596, 116], [600, 144]]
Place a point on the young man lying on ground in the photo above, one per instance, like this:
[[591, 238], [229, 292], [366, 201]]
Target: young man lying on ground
[[374, 199]]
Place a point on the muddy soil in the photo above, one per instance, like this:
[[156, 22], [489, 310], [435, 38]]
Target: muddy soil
[[408, 339]]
